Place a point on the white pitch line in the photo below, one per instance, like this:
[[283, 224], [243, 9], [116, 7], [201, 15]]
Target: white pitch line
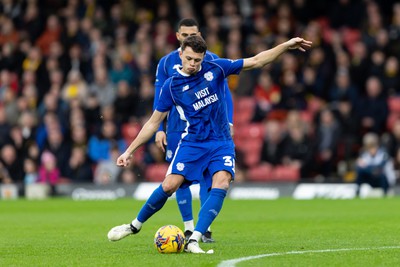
[[233, 262]]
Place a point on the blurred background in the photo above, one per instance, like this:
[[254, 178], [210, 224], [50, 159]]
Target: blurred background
[[77, 84]]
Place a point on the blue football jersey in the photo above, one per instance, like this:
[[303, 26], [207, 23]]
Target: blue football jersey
[[167, 67], [200, 100]]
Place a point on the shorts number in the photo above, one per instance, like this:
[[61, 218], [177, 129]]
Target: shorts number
[[230, 162]]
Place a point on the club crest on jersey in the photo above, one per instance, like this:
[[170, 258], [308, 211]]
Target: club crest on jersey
[[180, 166], [186, 87], [176, 67], [169, 153], [209, 76]]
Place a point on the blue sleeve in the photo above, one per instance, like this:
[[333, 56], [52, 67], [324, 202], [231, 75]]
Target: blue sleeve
[[165, 101], [161, 77], [229, 102], [229, 66]]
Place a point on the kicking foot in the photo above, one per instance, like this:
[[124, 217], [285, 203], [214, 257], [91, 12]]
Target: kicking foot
[[188, 233], [121, 231], [206, 238], [193, 247]]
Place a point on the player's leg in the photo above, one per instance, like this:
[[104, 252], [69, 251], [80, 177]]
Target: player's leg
[[184, 200], [204, 193], [210, 209], [183, 195], [222, 165], [153, 204]]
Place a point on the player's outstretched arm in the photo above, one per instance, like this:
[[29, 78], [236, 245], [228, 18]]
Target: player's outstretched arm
[[148, 130], [268, 56]]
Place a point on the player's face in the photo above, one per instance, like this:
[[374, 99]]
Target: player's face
[[186, 31], [191, 61]]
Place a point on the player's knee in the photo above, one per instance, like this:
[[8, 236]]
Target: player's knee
[[222, 180], [171, 184]]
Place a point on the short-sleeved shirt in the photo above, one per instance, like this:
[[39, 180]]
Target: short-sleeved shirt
[[200, 100], [166, 68]]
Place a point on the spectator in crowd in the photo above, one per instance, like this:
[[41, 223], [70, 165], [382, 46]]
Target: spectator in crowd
[[374, 165], [48, 170], [102, 88], [4, 126], [391, 76], [343, 88], [31, 174], [57, 144], [79, 169], [125, 101], [100, 145], [298, 151], [107, 171], [4, 175], [273, 143], [391, 139], [75, 87], [268, 96], [327, 139], [373, 108], [51, 34], [349, 125], [11, 163]]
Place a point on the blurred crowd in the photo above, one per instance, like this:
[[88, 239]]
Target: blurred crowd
[[76, 83]]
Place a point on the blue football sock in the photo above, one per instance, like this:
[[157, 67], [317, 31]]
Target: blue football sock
[[204, 193], [184, 199], [210, 209], [155, 202]]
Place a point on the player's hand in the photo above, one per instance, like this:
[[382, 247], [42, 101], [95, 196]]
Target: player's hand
[[299, 43], [124, 159], [161, 140]]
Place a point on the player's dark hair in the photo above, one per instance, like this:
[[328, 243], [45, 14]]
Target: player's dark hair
[[195, 42], [188, 23]]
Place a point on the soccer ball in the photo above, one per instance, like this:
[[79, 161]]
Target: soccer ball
[[169, 239]]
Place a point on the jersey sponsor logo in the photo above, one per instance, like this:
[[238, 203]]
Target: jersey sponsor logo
[[205, 99], [205, 102], [185, 88], [209, 76], [180, 166]]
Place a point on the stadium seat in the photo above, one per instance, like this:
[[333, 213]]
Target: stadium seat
[[251, 130], [260, 173], [156, 172], [243, 109], [130, 130], [286, 173], [251, 149]]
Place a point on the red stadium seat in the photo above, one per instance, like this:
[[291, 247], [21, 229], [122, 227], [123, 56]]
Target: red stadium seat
[[286, 173], [243, 109], [130, 130], [156, 172], [251, 130], [260, 173]]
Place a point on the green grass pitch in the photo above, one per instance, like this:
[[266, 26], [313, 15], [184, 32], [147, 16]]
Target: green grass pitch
[[285, 232]]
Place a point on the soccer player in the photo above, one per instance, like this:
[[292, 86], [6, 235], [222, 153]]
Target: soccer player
[[168, 66], [197, 91]]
